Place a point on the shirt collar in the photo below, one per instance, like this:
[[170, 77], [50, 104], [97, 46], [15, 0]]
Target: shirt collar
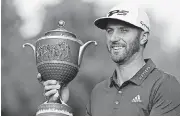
[[139, 77]]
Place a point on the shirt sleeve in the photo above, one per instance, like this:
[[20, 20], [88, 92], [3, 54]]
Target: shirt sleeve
[[166, 98]]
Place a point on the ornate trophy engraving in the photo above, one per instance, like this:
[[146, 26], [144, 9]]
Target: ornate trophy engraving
[[58, 57]]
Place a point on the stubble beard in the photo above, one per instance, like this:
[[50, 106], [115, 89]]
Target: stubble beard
[[127, 53]]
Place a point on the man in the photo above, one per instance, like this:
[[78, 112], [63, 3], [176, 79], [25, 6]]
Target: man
[[136, 87]]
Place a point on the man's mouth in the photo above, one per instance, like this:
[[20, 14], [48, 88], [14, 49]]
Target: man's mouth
[[117, 47]]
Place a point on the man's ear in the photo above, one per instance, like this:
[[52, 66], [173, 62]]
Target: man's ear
[[144, 37]]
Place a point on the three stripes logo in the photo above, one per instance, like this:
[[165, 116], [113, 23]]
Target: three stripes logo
[[137, 99]]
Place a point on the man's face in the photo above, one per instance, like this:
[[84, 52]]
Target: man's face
[[122, 41]]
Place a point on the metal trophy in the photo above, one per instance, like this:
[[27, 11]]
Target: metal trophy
[[58, 57]]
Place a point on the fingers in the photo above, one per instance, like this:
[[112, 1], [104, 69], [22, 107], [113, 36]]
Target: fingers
[[49, 87], [40, 78], [56, 96], [51, 92], [50, 82]]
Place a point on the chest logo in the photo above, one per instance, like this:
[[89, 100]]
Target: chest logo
[[136, 99]]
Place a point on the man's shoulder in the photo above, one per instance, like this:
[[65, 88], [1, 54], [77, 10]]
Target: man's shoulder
[[163, 81], [101, 85], [170, 80], [165, 76]]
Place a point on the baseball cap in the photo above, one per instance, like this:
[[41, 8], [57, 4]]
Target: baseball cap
[[128, 13]]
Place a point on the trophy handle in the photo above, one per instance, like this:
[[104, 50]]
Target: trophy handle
[[32, 46], [82, 49]]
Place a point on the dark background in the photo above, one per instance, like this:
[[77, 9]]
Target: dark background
[[20, 91]]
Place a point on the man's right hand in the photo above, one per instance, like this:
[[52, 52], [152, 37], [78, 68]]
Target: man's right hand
[[51, 90]]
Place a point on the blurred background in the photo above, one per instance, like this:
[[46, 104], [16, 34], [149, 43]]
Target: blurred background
[[27, 20]]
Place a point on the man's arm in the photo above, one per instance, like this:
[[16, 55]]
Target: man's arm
[[166, 98]]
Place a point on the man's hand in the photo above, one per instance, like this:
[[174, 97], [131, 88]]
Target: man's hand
[[51, 90]]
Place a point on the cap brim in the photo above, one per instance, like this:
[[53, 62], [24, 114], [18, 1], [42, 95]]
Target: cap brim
[[103, 21]]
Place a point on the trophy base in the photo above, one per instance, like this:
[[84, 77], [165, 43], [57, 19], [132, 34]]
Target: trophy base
[[54, 109]]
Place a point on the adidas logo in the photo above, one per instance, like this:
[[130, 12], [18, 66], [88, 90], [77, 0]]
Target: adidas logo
[[137, 99]]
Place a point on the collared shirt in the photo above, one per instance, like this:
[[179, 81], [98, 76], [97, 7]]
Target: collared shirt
[[149, 92]]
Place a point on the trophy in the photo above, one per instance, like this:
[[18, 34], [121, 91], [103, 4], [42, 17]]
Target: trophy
[[58, 57]]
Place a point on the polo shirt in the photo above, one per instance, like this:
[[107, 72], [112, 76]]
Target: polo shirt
[[149, 92]]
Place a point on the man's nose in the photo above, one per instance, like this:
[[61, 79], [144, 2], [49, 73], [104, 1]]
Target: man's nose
[[115, 37]]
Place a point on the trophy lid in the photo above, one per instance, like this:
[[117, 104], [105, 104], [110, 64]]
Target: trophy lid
[[60, 31]]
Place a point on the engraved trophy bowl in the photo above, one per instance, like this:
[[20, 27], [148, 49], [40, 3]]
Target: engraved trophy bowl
[[58, 57]]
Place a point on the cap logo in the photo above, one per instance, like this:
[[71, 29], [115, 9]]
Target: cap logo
[[143, 24], [118, 12]]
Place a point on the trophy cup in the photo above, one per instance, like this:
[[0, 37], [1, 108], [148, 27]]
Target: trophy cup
[[58, 57]]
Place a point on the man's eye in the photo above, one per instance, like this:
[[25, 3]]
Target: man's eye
[[124, 30], [110, 31]]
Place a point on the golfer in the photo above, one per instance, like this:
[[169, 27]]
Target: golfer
[[137, 86]]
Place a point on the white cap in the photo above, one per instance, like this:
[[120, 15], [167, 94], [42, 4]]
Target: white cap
[[128, 13]]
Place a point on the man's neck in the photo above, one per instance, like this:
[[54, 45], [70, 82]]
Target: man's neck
[[130, 68]]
